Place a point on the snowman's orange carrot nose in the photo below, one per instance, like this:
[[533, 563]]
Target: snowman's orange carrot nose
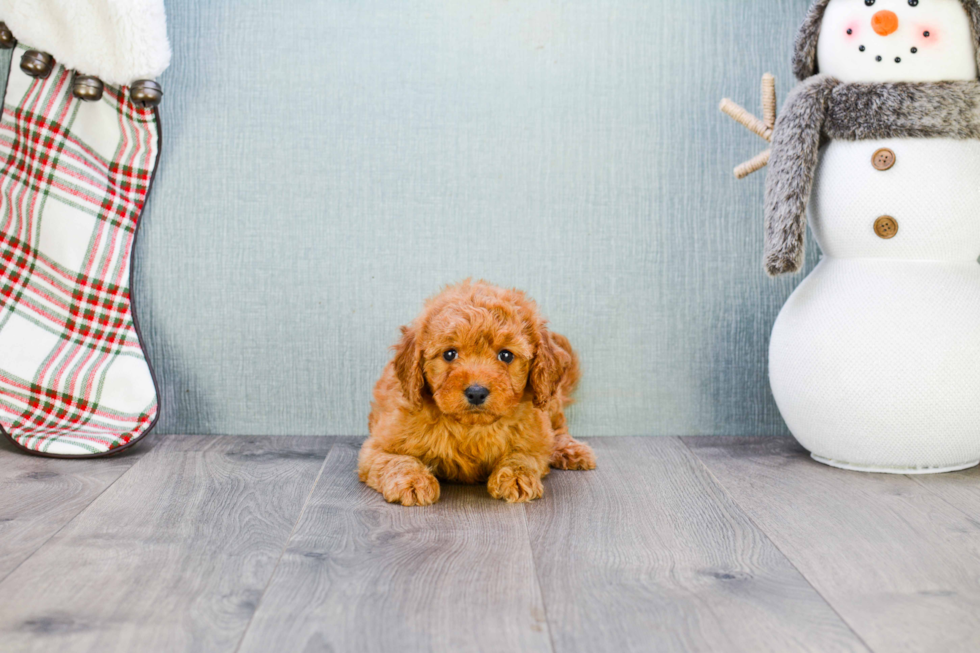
[[885, 22]]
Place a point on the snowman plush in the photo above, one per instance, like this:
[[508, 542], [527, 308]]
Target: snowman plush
[[874, 361]]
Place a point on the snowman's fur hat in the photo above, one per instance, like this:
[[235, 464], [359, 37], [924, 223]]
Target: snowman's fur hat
[[805, 57]]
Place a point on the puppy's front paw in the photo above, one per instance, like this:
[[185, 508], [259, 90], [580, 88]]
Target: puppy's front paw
[[411, 488], [515, 485], [573, 454]]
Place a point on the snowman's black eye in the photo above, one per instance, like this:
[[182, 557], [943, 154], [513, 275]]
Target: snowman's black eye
[[869, 2], [913, 3]]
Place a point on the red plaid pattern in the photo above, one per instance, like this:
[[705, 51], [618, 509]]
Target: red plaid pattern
[[73, 377]]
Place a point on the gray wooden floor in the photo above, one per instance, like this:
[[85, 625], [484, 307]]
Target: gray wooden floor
[[695, 544]]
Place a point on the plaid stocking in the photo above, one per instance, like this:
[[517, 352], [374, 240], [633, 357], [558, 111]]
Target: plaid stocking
[[73, 377]]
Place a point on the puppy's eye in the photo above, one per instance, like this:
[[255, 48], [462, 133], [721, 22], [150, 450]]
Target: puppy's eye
[[450, 355], [505, 356]]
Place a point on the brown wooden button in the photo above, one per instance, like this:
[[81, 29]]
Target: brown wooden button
[[883, 159], [886, 227]]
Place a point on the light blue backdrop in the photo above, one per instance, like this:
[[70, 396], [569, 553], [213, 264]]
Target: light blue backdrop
[[328, 165]]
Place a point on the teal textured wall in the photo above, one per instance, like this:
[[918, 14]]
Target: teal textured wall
[[328, 165]]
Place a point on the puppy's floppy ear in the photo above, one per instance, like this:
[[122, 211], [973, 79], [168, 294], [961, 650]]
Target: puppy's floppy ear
[[408, 367], [547, 368]]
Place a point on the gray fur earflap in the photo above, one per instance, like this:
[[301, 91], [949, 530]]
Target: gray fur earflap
[[805, 57]]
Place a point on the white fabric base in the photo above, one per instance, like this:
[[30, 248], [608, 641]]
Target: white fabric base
[[874, 362], [913, 471], [119, 41]]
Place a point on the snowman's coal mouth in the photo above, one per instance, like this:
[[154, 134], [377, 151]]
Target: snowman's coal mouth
[[880, 58]]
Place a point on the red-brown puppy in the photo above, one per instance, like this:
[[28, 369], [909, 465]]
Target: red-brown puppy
[[476, 392]]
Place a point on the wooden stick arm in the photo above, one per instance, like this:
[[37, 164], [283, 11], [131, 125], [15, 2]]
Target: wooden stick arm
[[769, 100], [746, 119], [754, 164], [762, 128]]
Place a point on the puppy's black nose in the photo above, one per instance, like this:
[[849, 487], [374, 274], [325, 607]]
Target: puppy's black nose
[[476, 394]]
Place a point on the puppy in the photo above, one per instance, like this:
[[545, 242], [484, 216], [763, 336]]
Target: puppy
[[476, 392]]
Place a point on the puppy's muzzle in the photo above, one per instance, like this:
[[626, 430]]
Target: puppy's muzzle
[[476, 395]]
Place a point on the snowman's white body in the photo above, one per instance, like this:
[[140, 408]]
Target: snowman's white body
[[875, 359]]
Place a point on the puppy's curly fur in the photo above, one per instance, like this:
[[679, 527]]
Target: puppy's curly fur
[[424, 427]]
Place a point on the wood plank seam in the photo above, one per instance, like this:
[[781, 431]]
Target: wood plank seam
[[926, 486], [209, 513], [74, 517], [649, 552], [537, 581], [762, 530], [363, 575], [285, 545]]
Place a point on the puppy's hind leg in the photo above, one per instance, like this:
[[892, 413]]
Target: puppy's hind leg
[[569, 453], [399, 479]]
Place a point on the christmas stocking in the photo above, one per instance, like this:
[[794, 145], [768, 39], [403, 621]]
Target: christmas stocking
[[79, 141]]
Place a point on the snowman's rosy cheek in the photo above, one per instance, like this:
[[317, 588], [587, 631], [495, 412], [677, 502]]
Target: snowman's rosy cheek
[[852, 30], [925, 36]]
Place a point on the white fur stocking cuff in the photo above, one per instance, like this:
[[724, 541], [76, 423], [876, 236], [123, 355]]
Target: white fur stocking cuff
[[118, 41]]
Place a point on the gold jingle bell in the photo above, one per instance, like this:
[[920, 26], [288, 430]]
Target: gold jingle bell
[[37, 64], [146, 93], [7, 39], [87, 87]]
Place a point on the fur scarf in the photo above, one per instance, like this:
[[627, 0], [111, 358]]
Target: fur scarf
[[823, 108]]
